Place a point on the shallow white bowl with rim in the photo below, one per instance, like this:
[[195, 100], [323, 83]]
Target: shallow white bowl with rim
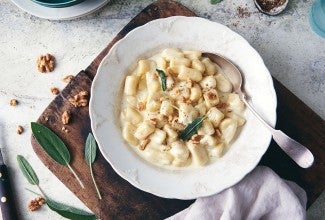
[[185, 33]]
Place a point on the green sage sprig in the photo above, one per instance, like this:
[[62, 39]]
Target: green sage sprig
[[60, 208], [162, 76], [90, 156], [53, 146], [191, 128]]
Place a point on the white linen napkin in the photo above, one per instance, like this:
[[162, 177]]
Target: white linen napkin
[[262, 194]]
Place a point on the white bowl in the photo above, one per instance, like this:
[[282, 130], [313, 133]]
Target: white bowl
[[185, 33]]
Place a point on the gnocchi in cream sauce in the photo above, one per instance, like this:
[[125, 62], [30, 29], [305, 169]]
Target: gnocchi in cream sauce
[[157, 108]]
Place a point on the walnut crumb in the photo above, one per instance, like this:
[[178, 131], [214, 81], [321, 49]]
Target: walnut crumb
[[222, 105], [196, 139], [80, 100], [13, 102], [64, 129], [67, 78], [65, 118], [20, 129], [211, 95], [153, 121], [141, 106], [45, 63], [35, 204], [55, 91], [144, 143]]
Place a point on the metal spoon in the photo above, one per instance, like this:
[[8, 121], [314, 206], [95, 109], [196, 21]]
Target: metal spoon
[[299, 153], [272, 11]]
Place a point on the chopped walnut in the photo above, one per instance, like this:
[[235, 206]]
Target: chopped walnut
[[144, 143], [65, 118], [222, 105], [185, 100], [211, 95], [55, 91], [13, 102], [80, 100], [64, 129], [176, 125], [67, 78], [196, 139], [45, 63], [153, 121], [141, 106], [20, 129], [35, 204]]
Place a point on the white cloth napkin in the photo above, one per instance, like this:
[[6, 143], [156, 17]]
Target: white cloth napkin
[[262, 194]]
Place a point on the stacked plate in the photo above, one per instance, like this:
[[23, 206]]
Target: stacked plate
[[60, 9], [57, 3]]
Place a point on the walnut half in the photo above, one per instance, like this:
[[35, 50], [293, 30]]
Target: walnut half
[[80, 100], [36, 204], [45, 63]]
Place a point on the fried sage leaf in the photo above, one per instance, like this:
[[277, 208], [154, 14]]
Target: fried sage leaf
[[191, 129], [162, 76]]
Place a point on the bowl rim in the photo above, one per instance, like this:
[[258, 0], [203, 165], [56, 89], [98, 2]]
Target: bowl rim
[[273, 99], [67, 3]]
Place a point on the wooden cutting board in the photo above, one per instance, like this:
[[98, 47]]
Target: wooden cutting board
[[123, 201]]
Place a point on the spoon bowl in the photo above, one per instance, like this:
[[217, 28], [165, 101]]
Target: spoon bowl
[[269, 9], [299, 153]]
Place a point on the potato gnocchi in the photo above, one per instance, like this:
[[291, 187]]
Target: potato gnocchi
[[152, 119]]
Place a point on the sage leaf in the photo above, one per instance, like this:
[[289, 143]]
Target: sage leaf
[[90, 149], [215, 1], [68, 211], [51, 143], [90, 155], [27, 170], [191, 128], [162, 76], [53, 146]]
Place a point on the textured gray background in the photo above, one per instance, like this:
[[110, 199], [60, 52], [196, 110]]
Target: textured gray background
[[291, 51]]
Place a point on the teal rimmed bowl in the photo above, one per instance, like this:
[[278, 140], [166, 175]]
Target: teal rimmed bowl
[[57, 3]]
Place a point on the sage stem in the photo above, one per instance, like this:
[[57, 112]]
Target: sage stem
[[93, 178], [76, 176], [33, 192]]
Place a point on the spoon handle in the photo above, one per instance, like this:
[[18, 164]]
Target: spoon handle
[[299, 153]]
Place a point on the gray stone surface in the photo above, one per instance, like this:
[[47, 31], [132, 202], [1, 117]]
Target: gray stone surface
[[291, 51]]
